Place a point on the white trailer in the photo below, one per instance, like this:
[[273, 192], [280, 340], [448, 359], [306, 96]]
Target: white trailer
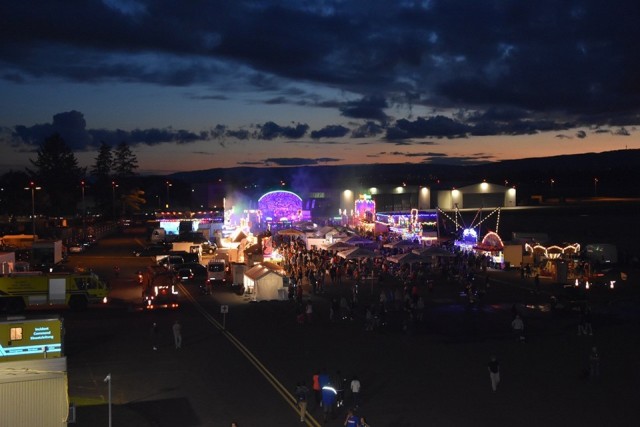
[[190, 247], [47, 253]]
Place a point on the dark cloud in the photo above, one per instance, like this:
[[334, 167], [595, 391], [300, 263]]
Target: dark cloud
[[297, 161], [72, 128], [429, 154], [369, 107], [621, 132], [242, 134], [332, 131], [367, 130], [250, 163], [70, 125], [459, 161], [271, 130], [525, 66], [437, 126]]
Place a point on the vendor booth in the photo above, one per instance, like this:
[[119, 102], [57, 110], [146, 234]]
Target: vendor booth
[[265, 281]]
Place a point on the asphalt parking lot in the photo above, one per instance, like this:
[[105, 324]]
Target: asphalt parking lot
[[434, 373]]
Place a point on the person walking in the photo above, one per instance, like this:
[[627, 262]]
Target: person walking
[[301, 396], [329, 394], [518, 328], [355, 391], [317, 390], [494, 372], [177, 334], [339, 382]]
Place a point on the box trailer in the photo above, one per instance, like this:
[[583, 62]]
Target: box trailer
[[47, 253]]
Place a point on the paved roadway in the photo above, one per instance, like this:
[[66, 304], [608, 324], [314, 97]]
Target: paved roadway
[[433, 375]]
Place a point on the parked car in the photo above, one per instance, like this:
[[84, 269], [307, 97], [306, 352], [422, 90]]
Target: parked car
[[185, 275], [75, 247], [199, 270]]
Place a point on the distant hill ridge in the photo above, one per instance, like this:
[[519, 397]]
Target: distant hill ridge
[[611, 172]]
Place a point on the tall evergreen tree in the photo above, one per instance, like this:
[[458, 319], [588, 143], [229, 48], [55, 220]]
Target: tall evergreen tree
[[58, 173], [101, 171], [125, 162]]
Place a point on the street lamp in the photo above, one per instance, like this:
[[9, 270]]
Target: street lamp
[[113, 197], [84, 211], [107, 380], [32, 186], [168, 185], [595, 187]]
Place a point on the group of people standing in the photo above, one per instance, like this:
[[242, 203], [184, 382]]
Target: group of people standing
[[329, 394]]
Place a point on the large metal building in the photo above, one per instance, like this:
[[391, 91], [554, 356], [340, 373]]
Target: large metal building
[[481, 195]]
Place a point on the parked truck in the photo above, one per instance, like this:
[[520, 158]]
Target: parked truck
[[515, 256], [189, 247], [24, 290], [47, 254]]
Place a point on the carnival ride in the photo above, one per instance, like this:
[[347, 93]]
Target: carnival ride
[[466, 236]]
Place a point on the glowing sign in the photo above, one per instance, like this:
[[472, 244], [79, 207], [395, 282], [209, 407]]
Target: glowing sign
[[30, 339]]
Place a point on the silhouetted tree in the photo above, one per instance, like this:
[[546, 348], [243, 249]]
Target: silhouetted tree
[[101, 172], [58, 173], [125, 162]]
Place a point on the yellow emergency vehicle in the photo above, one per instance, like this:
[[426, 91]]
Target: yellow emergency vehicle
[[24, 290]]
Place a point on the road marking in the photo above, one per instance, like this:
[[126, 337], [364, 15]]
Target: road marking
[[277, 385]]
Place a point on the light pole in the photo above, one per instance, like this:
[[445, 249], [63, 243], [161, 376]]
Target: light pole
[[168, 185], [32, 186], [84, 211], [107, 380], [595, 187], [113, 197]]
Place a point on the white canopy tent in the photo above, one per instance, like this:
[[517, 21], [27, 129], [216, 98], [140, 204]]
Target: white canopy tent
[[357, 253], [357, 240], [434, 251], [264, 281], [403, 244], [408, 258], [339, 246]]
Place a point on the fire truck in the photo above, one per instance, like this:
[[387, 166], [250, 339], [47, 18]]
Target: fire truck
[[161, 291], [32, 289]]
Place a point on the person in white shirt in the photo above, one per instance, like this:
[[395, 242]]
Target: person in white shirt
[[355, 391]]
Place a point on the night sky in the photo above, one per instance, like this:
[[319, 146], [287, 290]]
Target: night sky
[[203, 84]]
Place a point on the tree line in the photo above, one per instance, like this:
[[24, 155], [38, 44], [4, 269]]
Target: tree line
[[61, 188]]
